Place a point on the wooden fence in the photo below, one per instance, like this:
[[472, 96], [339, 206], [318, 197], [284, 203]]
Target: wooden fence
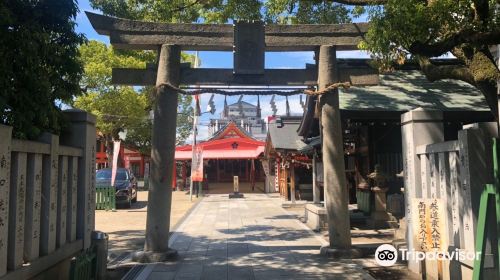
[[105, 198], [47, 196], [455, 172]]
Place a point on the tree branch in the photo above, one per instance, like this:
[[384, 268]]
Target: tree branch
[[435, 72], [361, 2], [463, 37], [462, 73], [482, 9], [181, 8]]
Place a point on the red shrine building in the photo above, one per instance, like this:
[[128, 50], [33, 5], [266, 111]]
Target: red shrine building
[[128, 157], [229, 152]]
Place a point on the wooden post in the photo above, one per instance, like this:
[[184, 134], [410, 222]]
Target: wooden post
[[174, 176], [218, 173], [82, 134], [245, 164], [316, 193], [252, 174], [282, 181], [5, 153], [292, 182], [162, 157], [184, 174], [333, 154], [285, 181]]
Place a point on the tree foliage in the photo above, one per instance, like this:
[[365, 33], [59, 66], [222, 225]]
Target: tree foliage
[[121, 108], [117, 108], [425, 29], [38, 67], [220, 11]]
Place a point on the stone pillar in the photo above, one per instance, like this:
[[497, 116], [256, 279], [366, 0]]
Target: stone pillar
[[5, 157], [162, 157], [418, 127], [333, 154], [316, 192], [49, 195], [380, 218], [82, 134]]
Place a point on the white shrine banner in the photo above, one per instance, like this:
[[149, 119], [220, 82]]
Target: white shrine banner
[[265, 166], [197, 165], [116, 151]]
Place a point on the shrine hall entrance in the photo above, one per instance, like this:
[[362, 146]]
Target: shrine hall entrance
[[223, 170]]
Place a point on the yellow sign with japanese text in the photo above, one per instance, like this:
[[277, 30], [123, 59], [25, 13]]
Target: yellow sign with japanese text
[[429, 225]]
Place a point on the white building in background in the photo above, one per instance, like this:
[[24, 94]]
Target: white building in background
[[245, 115]]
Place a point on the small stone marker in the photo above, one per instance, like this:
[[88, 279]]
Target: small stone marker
[[236, 184], [236, 188]]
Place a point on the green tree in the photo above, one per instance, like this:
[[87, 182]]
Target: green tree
[[306, 12], [122, 108], [220, 11], [180, 10], [117, 107], [422, 30], [39, 68]]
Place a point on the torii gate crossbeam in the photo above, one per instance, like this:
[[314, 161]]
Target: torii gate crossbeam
[[248, 41]]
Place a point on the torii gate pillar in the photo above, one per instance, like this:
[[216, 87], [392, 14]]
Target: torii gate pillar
[[336, 203], [162, 158]]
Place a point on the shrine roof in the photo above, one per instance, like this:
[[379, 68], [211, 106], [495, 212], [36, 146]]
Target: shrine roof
[[283, 134], [243, 103], [227, 148], [230, 142], [406, 90], [312, 143], [230, 130]]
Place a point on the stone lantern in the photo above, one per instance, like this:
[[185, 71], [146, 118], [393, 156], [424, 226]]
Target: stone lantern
[[379, 218]]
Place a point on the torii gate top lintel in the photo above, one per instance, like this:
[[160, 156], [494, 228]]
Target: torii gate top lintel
[[132, 34], [248, 41]]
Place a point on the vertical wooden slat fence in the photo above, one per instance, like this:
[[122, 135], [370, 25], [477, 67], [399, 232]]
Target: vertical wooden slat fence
[[105, 198], [40, 198]]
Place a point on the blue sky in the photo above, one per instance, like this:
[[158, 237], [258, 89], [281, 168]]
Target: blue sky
[[225, 60]]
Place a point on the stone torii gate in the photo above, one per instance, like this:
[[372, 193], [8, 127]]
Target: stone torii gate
[[248, 41]]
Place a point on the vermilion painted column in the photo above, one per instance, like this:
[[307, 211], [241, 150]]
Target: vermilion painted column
[[184, 174], [174, 176]]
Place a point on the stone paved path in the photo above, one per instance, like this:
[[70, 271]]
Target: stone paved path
[[250, 238]]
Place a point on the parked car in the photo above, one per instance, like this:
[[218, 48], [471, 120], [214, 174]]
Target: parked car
[[125, 185]]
